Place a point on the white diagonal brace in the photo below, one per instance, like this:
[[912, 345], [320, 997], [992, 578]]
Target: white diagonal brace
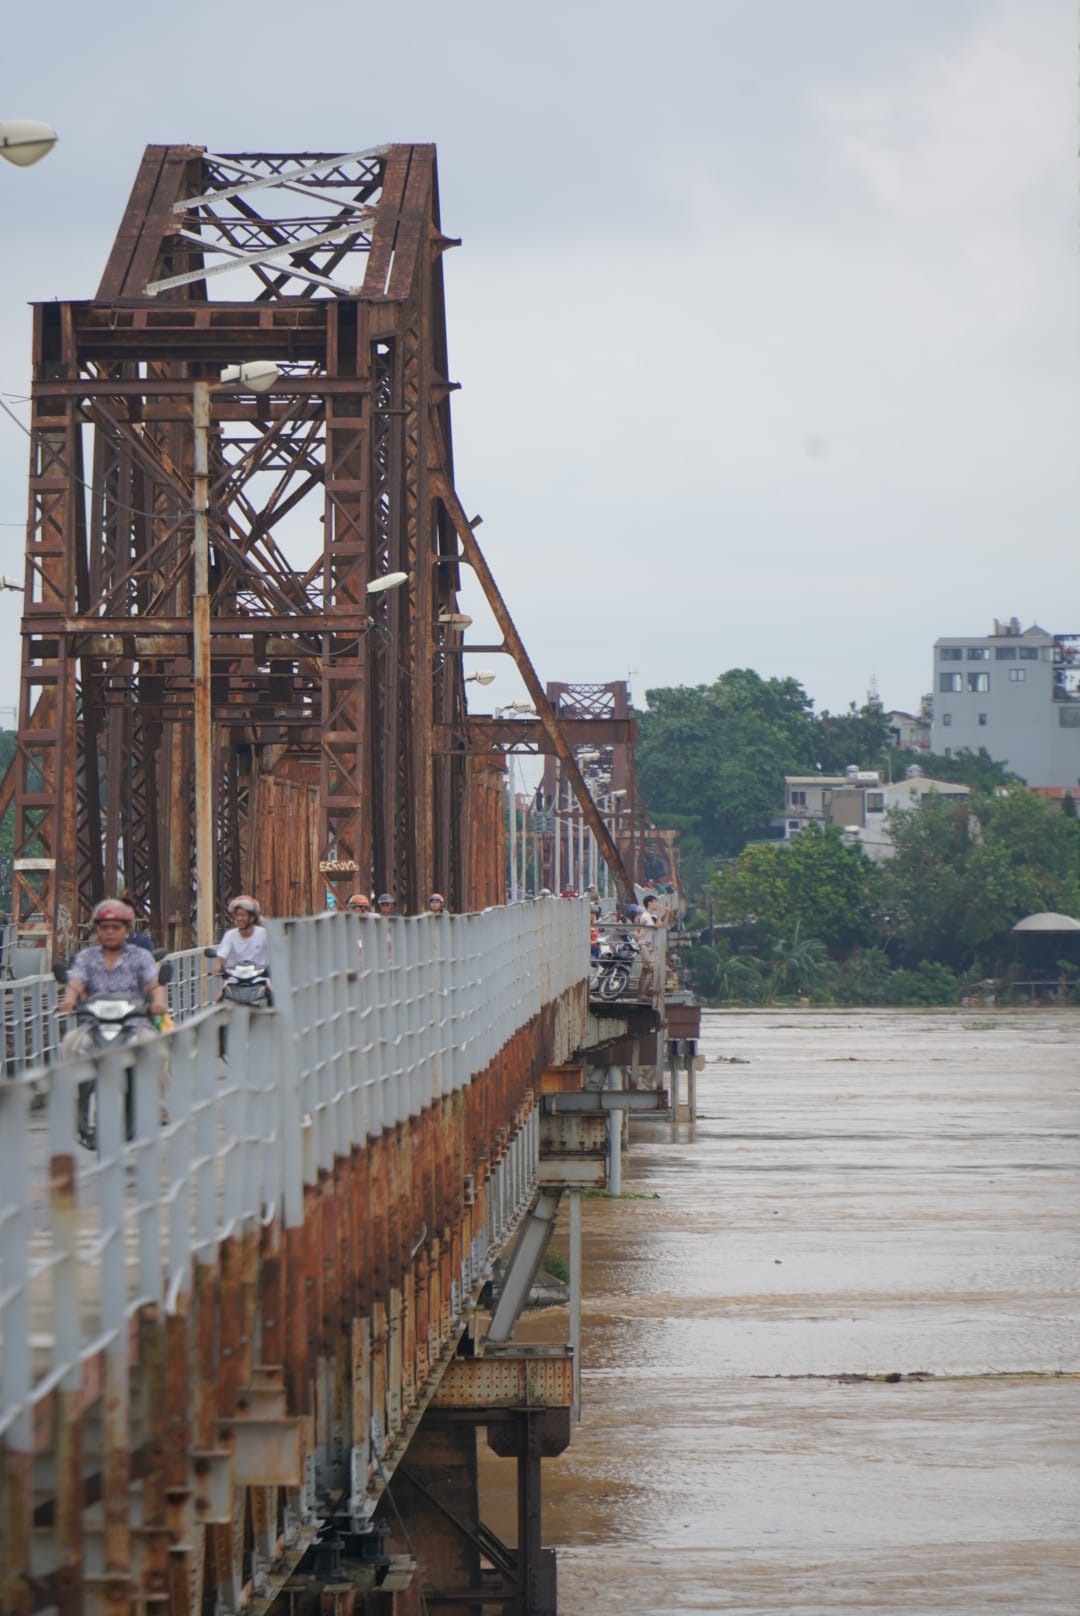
[[284, 179], [266, 256]]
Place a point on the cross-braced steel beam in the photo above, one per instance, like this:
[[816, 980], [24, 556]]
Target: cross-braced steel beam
[[316, 489]]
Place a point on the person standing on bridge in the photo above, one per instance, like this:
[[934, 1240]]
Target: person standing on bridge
[[358, 903], [436, 904]]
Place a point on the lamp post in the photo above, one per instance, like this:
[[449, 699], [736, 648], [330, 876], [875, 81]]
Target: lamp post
[[611, 804], [518, 708], [481, 677], [579, 884], [23, 141]]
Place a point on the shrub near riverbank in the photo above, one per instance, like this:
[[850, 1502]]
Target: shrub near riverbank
[[804, 976]]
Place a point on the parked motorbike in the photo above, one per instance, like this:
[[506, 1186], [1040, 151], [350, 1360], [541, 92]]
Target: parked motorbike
[[106, 1020], [612, 965]]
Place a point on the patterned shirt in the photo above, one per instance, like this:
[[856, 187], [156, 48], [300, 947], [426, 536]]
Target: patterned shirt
[[133, 974]]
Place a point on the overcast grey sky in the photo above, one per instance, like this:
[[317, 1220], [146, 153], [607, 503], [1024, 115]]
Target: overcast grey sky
[[765, 317]]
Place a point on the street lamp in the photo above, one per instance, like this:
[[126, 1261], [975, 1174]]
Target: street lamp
[[22, 141], [481, 677], [389, 580], [10, 583]]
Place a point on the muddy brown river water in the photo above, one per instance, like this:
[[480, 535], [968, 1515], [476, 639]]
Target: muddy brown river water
[[865, 1194]]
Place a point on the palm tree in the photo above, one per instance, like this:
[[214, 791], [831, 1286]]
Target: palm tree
[[799, 964], [740, 978]]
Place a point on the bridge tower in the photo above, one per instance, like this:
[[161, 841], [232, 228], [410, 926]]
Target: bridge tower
[[305, 733]]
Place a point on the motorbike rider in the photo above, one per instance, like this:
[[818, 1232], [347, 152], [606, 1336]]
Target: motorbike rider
[[436, 903], [112, 964], [245, 941]]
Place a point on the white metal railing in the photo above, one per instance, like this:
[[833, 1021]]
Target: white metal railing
[[373, 1019]]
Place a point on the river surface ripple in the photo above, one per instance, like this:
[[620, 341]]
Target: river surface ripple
[[864, 1194]]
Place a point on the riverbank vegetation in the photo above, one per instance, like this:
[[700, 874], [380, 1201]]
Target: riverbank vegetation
[[817, 919]]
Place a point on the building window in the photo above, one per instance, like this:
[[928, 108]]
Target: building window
[[1029, 653], [951, 681], [978, 681], [948, 751], [793, 824], [875, 802], [798, 799], [1017, 675], [951, 653], [1069, 717], [982, 720], [978, 653], [946, 719], [1005, 653]]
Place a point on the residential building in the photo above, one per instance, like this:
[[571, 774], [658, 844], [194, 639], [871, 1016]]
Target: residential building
[[860, 802], [1015, 692], [909, 732], [807, 797]]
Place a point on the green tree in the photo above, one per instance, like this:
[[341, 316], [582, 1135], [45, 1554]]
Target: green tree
[[740, 980], [799, 964], [755, 888], [930, 983], [864, 977], [963, 876], [719, 753], [833, 887], [922, 885], [814, 881], [975, 769], [715, 756], [859, 736]]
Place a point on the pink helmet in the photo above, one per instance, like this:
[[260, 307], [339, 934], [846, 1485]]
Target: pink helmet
[[113, 909]]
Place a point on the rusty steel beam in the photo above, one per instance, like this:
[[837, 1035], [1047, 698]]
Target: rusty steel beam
[[545, 712]]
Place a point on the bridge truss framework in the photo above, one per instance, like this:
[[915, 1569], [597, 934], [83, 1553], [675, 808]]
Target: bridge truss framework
[[324, 710]]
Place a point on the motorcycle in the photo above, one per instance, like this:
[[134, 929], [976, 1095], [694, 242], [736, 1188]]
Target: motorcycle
[[106, 1020], [612, 966], [245, 983]]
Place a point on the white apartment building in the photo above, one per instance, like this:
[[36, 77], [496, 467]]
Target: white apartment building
[[860, 802], [1015, 692]]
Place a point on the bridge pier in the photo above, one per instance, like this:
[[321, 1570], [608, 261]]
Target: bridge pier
[[521, 1397]]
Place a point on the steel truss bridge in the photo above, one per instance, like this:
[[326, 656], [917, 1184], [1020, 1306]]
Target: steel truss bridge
[[242, 1363]]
